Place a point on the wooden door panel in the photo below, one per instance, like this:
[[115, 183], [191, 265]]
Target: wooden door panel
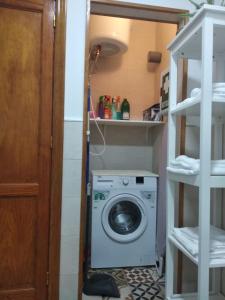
[[20, 94], [26, 66], [30, 4], [26, 294], [19, 189], [17, 247]]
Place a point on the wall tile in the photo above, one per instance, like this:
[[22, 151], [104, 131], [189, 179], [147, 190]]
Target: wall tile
[[68, 287], [72, 178], [69, 259], [73, 139], [122, 158], [122, 136], [70, 220]]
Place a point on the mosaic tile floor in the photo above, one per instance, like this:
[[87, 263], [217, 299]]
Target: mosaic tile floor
[[135, 284]]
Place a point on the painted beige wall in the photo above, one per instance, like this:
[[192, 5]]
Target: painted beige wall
[[165, 34], [127, 75]]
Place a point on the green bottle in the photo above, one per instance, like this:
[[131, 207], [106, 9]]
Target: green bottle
[[125, 110]]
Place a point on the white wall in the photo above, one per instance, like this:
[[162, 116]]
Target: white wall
[[128, 75], [74, 94], [72, 160], [75, 49], [127, 148]]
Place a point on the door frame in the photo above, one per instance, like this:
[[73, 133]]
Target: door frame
[[141, 7], [57, 150]]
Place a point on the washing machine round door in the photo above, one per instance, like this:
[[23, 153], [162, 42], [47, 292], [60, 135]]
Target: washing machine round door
[[123, 218]]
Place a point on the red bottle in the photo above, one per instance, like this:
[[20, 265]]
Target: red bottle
[[107, 107]]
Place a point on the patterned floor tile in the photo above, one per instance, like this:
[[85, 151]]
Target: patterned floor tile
[[125, 293], [138, 275], [145, 283], [155, 275], [141, 283], [147, 291]]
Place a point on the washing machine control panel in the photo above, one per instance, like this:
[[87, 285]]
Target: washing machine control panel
[[130, 181], [105, 183]]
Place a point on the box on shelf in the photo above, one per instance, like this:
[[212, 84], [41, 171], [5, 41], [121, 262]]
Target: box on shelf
[[152, 113]]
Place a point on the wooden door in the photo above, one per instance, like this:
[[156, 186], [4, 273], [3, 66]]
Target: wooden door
[[26, 65]]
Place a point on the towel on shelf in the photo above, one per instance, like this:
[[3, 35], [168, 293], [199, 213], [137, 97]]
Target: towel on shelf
[[218, 94], [189, 236], [190, 166], [217, 90], [187, 163], [181, 171]]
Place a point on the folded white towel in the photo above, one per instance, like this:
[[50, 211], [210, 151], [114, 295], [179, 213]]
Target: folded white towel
[[218, 84], [188, 237], [195, 92], [193, 162], [186, 162], [217, 236], [216, 89], [195, 95], [219, 91], [191, 99], [181, 171], [190, 166]]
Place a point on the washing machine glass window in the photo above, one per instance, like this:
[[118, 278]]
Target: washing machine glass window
[[123, 218]]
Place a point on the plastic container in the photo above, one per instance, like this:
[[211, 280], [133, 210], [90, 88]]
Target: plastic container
[[107, 107], [114, 113], [118, 108], [101, 107]]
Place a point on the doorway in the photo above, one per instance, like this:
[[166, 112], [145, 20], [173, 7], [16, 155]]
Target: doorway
[[136, 13]]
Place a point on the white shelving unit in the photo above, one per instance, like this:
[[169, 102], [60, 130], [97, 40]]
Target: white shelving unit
[[203, 38]]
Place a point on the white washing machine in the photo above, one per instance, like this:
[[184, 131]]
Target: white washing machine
[[123, 225]]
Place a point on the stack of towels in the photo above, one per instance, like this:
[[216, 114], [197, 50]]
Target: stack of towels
[[188, 237], [218, 93], [191, 166]]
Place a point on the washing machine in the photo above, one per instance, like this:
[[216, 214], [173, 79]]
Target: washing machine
[[123, 218]]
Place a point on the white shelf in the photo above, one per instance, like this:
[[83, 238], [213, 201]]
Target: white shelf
[[183, 249], [110, 122], [194, 297], [214, 263], [215, 181], [187, 43], [202, 39], [192, 108]]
